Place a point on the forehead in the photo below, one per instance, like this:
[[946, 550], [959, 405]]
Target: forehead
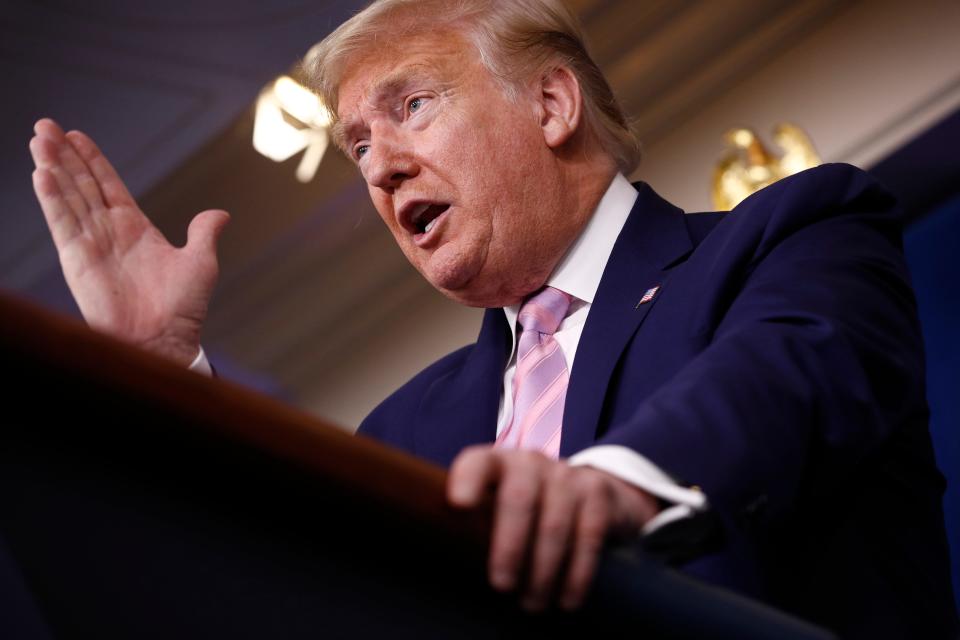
[[387, 66]]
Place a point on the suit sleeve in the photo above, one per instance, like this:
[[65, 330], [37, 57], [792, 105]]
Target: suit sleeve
[[810, 366]]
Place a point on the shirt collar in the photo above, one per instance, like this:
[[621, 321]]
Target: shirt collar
[[581, 268]]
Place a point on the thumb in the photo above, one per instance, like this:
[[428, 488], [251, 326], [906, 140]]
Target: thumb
[[204, 230]]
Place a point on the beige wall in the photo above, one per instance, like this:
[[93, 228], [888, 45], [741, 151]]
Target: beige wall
[[872, 78]]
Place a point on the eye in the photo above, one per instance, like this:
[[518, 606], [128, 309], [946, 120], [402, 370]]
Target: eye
[[414, 104], [361, 150]]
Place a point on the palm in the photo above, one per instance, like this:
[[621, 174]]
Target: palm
[[126, 278]]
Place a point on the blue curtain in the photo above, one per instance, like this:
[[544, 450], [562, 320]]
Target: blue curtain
[[932, 246]]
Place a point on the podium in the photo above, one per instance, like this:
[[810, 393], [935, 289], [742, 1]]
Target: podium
[[141, 500]]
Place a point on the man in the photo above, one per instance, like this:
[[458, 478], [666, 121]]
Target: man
[[771, 357]]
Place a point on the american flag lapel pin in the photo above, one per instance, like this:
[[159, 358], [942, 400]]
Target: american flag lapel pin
[[648, 296]]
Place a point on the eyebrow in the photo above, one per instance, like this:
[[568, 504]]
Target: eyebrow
[[382, 91], [339, 132]]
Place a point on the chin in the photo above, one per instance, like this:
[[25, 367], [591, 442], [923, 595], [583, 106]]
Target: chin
[[454, 273], [473, 282], [464, 293], [481, 291], [461, 286]]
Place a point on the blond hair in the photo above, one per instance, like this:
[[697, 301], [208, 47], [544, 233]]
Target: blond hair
[[514, 39]]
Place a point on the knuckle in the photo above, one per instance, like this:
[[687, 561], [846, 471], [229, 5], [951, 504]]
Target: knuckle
[[594, 527], [561, 473], [517, 493], [553, 530], [589, 485], [601, 514], [521, 459], [592, 538]]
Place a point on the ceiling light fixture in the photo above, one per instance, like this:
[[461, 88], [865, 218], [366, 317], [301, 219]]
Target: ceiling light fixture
[[290, 118]]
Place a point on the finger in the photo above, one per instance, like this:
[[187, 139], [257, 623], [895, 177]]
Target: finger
[[114, 191], [46, 156], [48, 128], [49, 141], [592, 524], [43, 149], [472, 473], [204, 230], [81, 175], [553, 537], [58, 214], [515, 516]]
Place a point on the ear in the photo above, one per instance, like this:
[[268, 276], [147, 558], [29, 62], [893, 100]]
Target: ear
[[562, 106]]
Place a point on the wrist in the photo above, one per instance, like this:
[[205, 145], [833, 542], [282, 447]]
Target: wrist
[[182, 353]]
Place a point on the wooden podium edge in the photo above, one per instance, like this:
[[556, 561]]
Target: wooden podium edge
[[29, 333]]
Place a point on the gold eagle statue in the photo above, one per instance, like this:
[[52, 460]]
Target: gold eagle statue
[[748, 166]]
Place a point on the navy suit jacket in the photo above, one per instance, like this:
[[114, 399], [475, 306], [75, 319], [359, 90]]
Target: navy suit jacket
[[779, 367]]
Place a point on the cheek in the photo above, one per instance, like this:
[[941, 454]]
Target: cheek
[[487, 146]]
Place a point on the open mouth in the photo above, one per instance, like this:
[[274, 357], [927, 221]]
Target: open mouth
[[424, 216]]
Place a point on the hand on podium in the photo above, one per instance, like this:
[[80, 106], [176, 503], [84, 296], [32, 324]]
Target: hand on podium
[[127, 279], [551, 520]]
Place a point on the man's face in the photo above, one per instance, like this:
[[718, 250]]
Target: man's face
[[459, 173]]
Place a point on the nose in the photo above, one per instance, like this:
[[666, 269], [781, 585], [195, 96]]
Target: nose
[[389, 161]]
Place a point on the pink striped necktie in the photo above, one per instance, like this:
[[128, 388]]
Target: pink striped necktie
[[540, 380]]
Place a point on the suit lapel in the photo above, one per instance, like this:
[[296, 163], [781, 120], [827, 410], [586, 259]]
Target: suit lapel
[[652, 240], [460, 407]]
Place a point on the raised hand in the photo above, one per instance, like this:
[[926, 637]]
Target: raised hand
[[126, 278]]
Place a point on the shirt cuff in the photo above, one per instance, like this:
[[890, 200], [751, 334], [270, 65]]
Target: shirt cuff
[[631, 467], [201, 365]]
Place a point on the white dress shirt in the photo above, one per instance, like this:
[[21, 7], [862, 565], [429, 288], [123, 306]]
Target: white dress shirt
[[578, 274], [200, 364]]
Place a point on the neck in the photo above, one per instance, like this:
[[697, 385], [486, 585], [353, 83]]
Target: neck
[[583, 184], [580, 186]]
